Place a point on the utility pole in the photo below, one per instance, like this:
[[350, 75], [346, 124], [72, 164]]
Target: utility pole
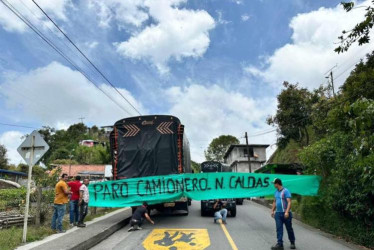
[[249, 156], [81, 118], [332, 83], [330, 75]]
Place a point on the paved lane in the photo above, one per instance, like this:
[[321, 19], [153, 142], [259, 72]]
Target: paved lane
[[253, 228]]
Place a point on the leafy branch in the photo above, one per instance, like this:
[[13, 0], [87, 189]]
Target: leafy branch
[[360, 33]]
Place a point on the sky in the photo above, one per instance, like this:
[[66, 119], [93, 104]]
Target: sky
[[218, 65]]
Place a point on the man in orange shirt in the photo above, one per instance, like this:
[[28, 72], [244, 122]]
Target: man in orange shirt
[[61, 199]]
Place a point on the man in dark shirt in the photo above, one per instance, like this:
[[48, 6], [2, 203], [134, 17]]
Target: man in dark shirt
[[137, 217], [220, 212]]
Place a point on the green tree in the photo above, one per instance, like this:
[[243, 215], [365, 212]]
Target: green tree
[[293, 114], [3, 158], [218, 147], [92, 155], [195, 167], [361, 32]]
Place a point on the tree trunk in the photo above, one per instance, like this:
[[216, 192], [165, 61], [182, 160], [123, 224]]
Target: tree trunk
[[307, 136], [38, 205]]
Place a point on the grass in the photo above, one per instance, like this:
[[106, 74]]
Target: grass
[[10, 238]]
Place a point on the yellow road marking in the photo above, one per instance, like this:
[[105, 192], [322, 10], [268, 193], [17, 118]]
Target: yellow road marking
[[228, 236], [177, 239]]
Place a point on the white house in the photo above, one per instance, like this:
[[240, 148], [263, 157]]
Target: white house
[[237, 157]]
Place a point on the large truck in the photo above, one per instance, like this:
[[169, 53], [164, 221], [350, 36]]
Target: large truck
[[207, 205], [149, 146]]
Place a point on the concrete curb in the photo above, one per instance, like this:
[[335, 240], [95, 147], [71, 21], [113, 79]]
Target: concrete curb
[[100, 228], [101, 236]]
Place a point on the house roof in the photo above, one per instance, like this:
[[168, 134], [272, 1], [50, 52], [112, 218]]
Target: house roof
[[74, 170], [12, 172], [243, 146]]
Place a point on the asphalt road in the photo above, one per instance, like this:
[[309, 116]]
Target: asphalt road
[[252, 228]]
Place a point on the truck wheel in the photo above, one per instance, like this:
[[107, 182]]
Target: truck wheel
[[233, 212], [189, 202], [203, 213], [186, 209]]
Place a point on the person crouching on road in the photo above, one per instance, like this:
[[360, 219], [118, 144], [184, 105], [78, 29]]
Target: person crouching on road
[[220, 212], [84, 198], [281, 212], [137, 217]]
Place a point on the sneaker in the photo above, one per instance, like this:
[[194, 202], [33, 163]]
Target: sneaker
[[224, 222], [130, 229], [139, 228], [81, 225], [277, 247], [293, 246], [71, 225]]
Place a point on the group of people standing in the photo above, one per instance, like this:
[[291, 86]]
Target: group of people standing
[[78, 204]]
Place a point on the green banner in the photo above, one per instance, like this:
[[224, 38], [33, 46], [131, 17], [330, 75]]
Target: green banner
[[203, 186]]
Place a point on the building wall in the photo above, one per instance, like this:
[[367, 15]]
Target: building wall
[[242, 167], [237, 154]]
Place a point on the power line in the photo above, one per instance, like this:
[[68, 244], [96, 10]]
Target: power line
[[50, 43], [15, 125], [93, 65]]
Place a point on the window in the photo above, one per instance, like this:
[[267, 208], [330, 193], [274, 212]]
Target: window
[[245, 152]]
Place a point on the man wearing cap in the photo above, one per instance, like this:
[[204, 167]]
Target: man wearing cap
[[281, 212]]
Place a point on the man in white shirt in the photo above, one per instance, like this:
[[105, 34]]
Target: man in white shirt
[[84, 197]]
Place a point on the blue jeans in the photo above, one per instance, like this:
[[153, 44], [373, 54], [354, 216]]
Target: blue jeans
[[221, 214], [74, 211], [279, 221], [58, 216]]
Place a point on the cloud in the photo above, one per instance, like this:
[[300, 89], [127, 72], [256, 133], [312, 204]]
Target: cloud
[[11, 140], [311, 51], [57, 96], [245, 17], [124, 12], [11, 23], [221, 20], [208, 112], [175, 34]]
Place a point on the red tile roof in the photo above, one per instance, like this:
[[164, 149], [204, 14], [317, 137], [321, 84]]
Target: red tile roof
[[74, 170]]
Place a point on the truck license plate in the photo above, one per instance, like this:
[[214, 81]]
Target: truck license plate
[[170, 204]]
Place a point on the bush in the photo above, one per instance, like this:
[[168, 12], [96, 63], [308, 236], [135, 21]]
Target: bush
[[12, 198]]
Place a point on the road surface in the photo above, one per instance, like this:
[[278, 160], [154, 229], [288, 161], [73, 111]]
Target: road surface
[[252, 228]]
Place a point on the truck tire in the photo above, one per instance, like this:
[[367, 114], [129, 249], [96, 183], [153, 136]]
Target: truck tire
[[202, 210], [233, 212], [186, 209], [189, 202], [239, 201], [203, 213]]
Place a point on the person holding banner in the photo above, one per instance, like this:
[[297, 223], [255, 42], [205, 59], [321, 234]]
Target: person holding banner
[[137, 217], [282, 214]]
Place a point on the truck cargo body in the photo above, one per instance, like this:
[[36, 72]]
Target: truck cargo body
[[149, 146]]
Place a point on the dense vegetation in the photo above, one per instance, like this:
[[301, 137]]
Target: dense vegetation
[[333, 137]]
